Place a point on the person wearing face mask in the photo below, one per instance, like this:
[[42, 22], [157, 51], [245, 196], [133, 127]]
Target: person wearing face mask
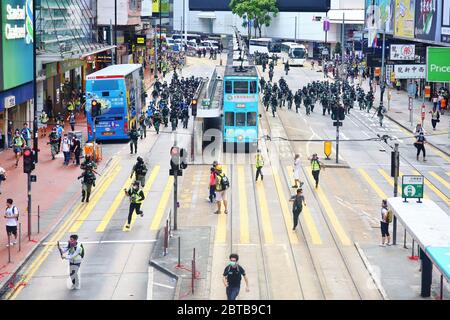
[[136, 197], [74, 252], [18, 143], [232, 276]]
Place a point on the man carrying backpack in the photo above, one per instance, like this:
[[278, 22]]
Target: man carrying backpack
[[74, 252], [139, 170], [222, 184], [11, 216], [136, 197]]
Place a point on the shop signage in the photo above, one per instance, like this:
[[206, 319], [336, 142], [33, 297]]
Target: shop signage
[[404, 18], [104, 57], [67, 65], [438, 64], [402, 52], [410, 71], [10, 101], [16, 43]]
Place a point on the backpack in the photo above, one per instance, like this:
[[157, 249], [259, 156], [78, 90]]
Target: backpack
[[141, 169], [224, 182], [82, 250], [14, 207], [389, 216]]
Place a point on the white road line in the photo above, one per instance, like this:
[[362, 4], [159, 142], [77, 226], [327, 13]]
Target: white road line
[[150, 283], [343, 136], [162, 285]]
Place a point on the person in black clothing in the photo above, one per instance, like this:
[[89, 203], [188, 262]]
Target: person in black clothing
[[297, 207], [420, 145], [134, 136], [136, 197], [232, 277], [76, 149]]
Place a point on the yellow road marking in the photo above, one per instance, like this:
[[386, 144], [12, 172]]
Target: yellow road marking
[[266, 225], [345, 240], [372, 183], [156, 222], [293, 238], [146, 190], [221, 229], [440, 179], [243, 211], [435, 190], [37, 262], [310, 224], [94, 200]]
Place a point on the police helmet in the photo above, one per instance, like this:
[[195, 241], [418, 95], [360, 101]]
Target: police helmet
[[139, 159]]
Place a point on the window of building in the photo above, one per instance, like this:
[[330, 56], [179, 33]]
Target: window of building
[[229, 119]]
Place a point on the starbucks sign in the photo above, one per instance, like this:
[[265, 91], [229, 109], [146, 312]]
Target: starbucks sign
[[438, 64]]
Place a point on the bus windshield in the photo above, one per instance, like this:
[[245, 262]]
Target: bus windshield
[[298, 53]]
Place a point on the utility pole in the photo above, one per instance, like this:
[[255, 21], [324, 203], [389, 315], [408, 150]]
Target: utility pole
[[343, 39], [382, 69], [115, 30], [160, 38], [111, 41], [295, 34], [396, 167], [184, 21], [35, 122], [29, 204], [337, 140]]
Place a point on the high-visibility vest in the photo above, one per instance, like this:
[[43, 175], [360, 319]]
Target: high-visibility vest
[[315, 165], [259, 161]]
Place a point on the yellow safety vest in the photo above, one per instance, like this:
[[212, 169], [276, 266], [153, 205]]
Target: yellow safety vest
[[315, 165], [259, 161]]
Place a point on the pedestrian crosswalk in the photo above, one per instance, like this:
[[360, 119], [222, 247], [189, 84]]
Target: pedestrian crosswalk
[[267, 202]]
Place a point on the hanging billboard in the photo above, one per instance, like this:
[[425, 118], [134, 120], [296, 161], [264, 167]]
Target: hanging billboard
[[383, 11], [16, 43], [438, 64], [402, 52], [427, 20], [404, 18], [445, 22], [283, 5]]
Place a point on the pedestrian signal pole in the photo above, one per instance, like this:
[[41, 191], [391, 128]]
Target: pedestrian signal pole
[[28, 167], [337, 142], [175, 166], [395, 169]]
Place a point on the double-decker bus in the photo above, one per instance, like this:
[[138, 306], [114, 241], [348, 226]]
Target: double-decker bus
[[120, 92], [294, 53], [240, 107]]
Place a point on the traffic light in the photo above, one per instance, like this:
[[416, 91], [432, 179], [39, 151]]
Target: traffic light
[[194, 107], [95, 108], [28, 160], [183, 158]]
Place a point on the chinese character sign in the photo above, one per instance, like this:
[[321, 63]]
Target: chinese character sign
[[410, 71], [402, 52]]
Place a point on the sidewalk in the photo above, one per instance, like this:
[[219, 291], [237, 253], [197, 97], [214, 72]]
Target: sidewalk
[[55, 192]]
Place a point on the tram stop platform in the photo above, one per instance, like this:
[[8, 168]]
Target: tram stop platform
[[429, 226]]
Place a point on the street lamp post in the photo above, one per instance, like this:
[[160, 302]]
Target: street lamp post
[[382, 69]]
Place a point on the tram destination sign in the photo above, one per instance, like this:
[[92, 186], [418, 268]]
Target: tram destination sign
[[412, 187]]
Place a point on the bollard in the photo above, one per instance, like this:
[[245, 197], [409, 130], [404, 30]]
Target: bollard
[[193, 276], [165, 239], [179, 252], [39, 218], [404, 240], [20, 236], [9, 248], [442, 287]]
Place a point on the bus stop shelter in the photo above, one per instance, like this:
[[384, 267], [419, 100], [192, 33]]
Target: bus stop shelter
[[429, 226]]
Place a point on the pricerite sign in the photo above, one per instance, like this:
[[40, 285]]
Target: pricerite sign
[[438, 64]]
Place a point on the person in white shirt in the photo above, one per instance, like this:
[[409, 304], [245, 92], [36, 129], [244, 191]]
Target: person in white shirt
[[384, 224], [65, 146], [74, 252], [297, 171], [11, 216]]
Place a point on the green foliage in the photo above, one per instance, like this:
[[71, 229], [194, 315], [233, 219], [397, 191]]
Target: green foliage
[[337, 48], [259, 11]]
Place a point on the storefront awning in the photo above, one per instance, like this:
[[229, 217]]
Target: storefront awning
[[109, 47], [206, 15]]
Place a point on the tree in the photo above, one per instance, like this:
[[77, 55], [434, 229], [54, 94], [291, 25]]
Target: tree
[[337, 48], [256, 13]]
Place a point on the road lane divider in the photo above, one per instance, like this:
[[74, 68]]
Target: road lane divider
[[440, 179], [40, 258], [434, 189], [307, 216], [156, 222], [146, 190], [372, 184], [243, 210], [265, 217]]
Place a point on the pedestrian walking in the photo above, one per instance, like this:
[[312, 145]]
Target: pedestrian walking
[[74, 252], [316, 165], [134, 136], [87, 183], [26, 134], [420, 145], [65, 145], [2, 177], [297, 207], [286, 67], [143, 125], [12, 218], [43, 118], [385, 219], [18, 143], [297, 170], [139, 171], [76, 147], [259, 164], [54, 141], [71, 119], [59, 131], [212, 185], [435, 117], [136, 197], [222, 184], [232, 276]]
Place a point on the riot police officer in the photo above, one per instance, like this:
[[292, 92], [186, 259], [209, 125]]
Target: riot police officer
[[139, 171], [87, 183]]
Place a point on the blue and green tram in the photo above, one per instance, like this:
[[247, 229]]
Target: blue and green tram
[[240, 109]]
